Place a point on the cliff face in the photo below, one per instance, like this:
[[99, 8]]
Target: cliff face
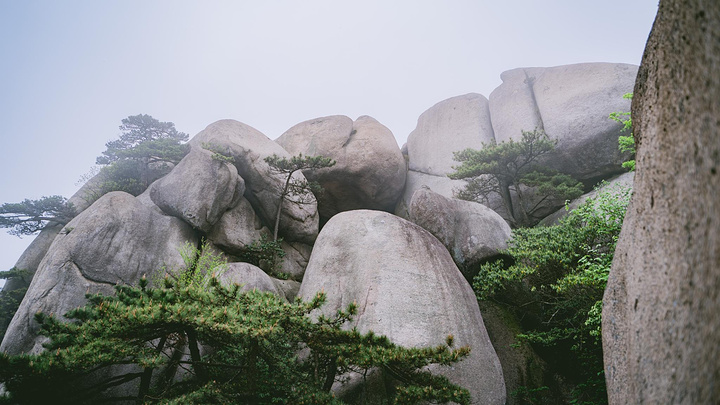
[[372, 257], [661, 328]]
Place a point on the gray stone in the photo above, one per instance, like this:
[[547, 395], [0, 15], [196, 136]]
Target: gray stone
[[449, 126], [289, 288], [572, 104], [295, 260], [249, 276], [117, 240], [470, 231], [249, 148], [406, 287], [199, 189], [369, 171], [512, 104], [661, 329], [237, 228], [442, 185]]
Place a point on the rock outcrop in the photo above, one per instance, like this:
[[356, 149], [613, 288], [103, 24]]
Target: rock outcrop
[[248, 148], [249, 277], [369, 172], [661, 329], [406, 287], [572, 104], [117, 240], [471, 232], [449, 126], [199, 189], [238, 228]]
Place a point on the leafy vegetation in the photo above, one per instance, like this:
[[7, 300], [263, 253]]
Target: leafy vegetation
[[294, 187], [32, 216], [507, 170], [626, 143], [193, 340], [553, 278], [145, 150], [10, 299]]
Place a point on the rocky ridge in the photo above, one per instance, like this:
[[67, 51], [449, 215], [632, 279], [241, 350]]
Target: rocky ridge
[[405, 275]]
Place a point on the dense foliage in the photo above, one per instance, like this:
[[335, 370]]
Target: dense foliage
[[193, 340], [145, 150], [510, 171], [294, 188], [10, 299], [32, 216], [554, 277], [626, 143]]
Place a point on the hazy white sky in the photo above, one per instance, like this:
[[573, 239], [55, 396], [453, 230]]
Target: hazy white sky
[[71, 70]]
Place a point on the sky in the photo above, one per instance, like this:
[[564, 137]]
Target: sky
[[71, 70]]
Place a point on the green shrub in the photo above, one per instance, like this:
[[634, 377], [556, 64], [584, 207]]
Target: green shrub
[[235, 347], [554, 277]]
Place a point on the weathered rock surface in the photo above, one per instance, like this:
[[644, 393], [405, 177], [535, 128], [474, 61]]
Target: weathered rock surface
[[289, 288], [237, 228], [116, 240], [249, 276], [406, 287], [442, 185], [661, 329], [623, 180], [295, 260], [369, 171], [449, 126], [572, 104], [199, 189], [470, 231], [249, 148]]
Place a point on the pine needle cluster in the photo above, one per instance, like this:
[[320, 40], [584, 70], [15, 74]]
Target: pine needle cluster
[[189, 343]]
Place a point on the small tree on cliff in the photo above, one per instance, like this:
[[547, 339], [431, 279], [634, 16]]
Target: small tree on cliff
[[251, 341], [32, 216], [128, 162], [506, 169], [626, 143], [294, 189]]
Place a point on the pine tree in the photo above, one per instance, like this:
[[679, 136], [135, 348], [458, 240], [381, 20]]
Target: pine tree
[[236, 347], [294, 187], [507, 170], [32, 216]]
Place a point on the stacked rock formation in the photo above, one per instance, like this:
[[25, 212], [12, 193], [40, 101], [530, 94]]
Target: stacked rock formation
[[408, 276]]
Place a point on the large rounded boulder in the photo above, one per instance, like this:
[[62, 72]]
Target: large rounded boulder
[[248, 148], [407, 287], [117, 240], [369, 171], [471, 232], [199, 189], [449, 126], [571, 103]]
